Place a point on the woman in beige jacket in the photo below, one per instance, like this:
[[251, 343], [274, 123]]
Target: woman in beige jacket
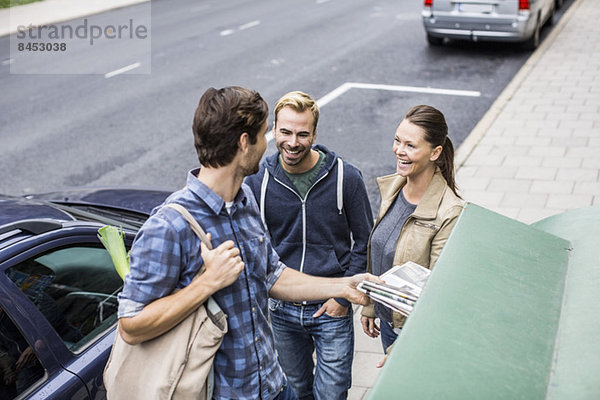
[[419, 208]]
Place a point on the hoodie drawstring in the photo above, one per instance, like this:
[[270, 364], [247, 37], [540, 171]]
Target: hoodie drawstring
[[340, 191]]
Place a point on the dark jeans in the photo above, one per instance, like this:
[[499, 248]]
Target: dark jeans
[[286, 393]]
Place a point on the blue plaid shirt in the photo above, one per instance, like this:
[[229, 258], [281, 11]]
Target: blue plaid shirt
[[166, 255]]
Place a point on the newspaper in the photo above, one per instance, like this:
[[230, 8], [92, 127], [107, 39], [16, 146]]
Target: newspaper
[[402, 287]]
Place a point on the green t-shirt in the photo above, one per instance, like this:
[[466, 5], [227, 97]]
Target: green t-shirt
[[303, 181]]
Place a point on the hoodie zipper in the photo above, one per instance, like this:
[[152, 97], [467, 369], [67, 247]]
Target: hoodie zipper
[[303, 201]]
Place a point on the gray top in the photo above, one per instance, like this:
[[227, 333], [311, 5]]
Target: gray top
[[383, 243]]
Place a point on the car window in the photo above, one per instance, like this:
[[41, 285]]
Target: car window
[[75, 288], [19, 366]]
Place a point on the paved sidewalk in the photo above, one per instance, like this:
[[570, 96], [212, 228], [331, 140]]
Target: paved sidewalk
[[536, 153]]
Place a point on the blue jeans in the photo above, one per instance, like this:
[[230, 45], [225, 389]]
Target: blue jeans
[[297, 334], [388, 336]]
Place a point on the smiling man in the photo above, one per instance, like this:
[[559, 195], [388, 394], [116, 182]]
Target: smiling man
[[316, 209]]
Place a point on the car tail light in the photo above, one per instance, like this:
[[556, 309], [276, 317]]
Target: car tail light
[[523, 4], [428, 10]]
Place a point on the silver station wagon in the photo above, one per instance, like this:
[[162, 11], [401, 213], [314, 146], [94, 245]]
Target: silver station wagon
[[488, 20]]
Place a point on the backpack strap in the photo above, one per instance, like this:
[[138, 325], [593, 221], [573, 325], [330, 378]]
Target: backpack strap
[[211, 305]]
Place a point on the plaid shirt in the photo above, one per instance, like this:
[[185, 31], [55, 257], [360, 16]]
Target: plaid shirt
[[166, 255]]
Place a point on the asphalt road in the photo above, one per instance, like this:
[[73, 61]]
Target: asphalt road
[[66, 130]]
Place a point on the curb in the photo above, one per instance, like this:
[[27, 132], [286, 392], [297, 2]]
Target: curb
[[479, 131]]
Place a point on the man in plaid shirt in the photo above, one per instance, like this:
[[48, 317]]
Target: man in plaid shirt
[[242, 270]]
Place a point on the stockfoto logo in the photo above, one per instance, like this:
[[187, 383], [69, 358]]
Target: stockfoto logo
[[85, 30]]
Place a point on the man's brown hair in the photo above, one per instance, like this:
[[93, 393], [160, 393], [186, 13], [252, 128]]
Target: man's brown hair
[[220, 119]]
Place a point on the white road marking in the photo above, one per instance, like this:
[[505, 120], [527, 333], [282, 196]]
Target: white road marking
[[335, 93], [228, 32], [122, 70], [8, 61], [343, 88], [249, 25]]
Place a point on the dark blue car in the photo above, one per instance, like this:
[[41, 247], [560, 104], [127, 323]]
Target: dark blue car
[[58, 289]]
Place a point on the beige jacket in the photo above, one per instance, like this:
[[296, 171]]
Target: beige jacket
[[425, 232]]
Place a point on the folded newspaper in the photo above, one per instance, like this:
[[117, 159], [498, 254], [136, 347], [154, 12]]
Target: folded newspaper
[[402, 287]]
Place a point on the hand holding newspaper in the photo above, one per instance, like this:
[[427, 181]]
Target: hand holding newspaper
[[402, 287]]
